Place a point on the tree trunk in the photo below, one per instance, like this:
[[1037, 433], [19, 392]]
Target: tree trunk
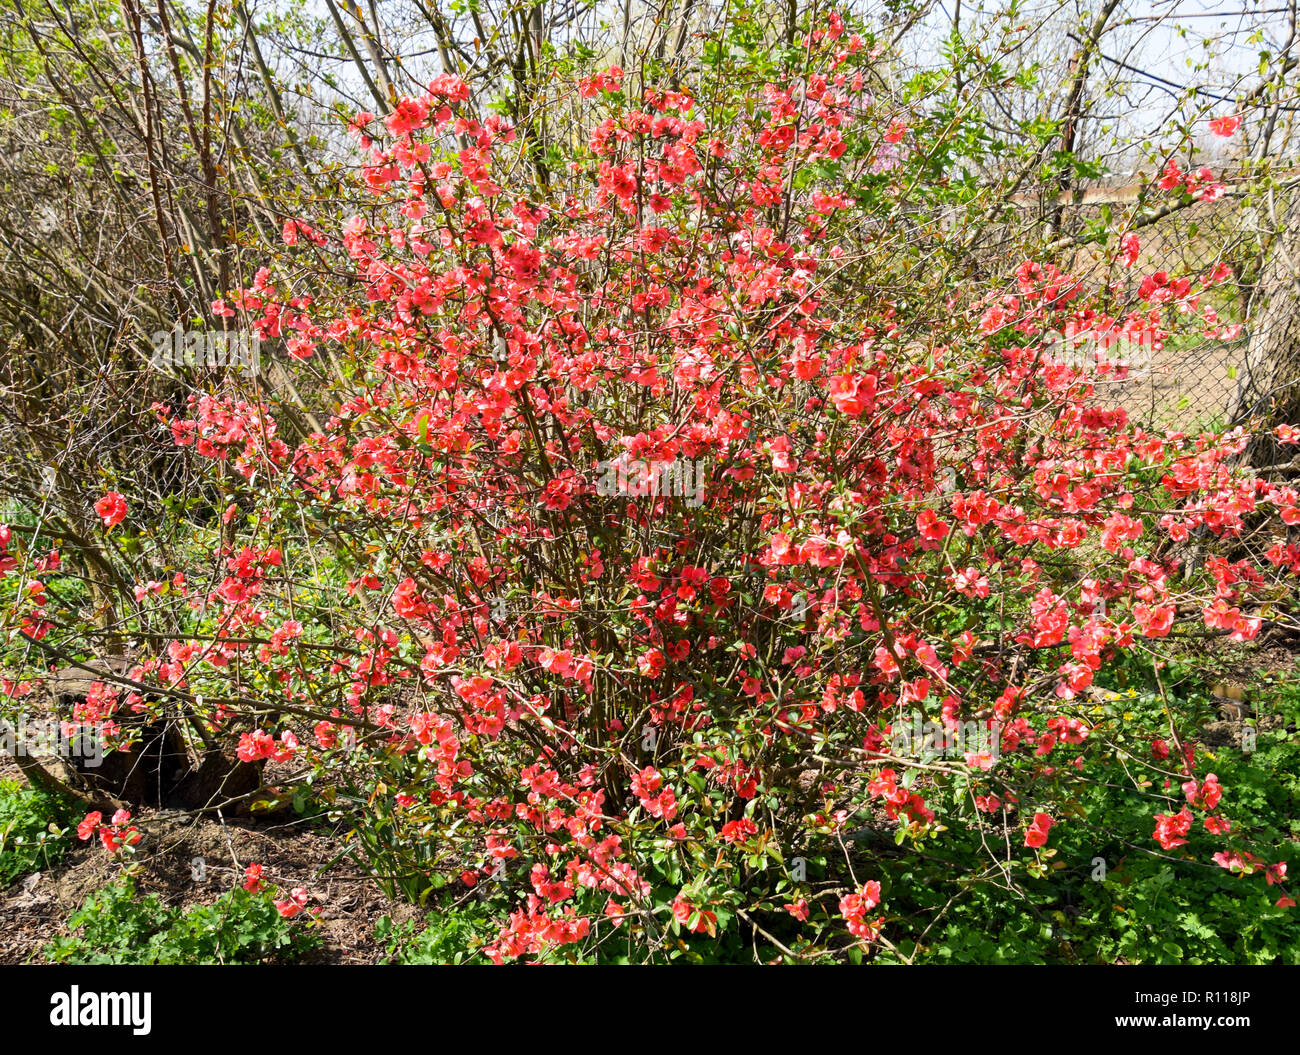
[[1269, 388]]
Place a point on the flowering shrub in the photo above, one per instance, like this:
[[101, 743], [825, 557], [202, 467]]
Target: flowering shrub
[[638, 719]]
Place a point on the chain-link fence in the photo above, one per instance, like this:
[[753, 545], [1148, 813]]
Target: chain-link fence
[[1192, 381], [1187, 386]]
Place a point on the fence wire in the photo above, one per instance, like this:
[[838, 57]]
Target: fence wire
[[1192, 382]]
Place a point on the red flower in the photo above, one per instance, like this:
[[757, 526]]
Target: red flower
[[854, 909], [738, 831], [1206, 795], [931, 528], [1154, 621], [853, 395], [1172, 176], [1129, 248], [409, 115], [1225, 126], [1171, 827], [1036, 835], [111, 509], [684, 913], [293, 904], [1217, 826], [256, 745], [651, 663]]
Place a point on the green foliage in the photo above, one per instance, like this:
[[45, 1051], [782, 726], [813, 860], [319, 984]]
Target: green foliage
[[450, 935], [1105, 892], [117, 926], [32, 829]]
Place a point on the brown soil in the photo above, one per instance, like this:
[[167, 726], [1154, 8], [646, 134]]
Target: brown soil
[[33, 910]]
